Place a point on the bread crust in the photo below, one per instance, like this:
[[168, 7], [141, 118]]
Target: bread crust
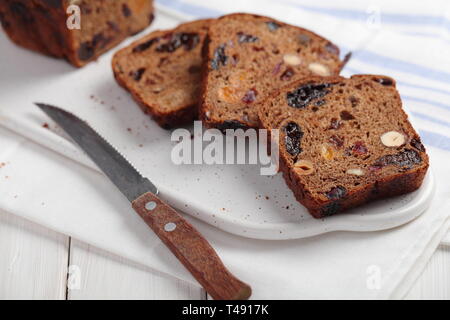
[[394, 184]]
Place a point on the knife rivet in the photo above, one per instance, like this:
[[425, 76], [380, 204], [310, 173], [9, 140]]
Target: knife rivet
[[169, 227], [150, 206]]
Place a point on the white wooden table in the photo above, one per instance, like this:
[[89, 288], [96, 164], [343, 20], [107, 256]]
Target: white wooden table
[[37, 263]]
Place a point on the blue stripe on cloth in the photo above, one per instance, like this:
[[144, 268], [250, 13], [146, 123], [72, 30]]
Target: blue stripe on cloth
[[395, 18], [403, 83], [427, 101], [189, 8], [431, 119], [364, 55], [400, 65], [435, 140]]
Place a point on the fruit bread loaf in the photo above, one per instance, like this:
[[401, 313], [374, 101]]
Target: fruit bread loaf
[[344, 142], [247, 56], [163, 72], [41, 25]]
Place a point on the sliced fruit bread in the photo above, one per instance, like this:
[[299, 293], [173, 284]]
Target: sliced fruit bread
[[247, 56], [344, 142], [50, 26], [162, 71]]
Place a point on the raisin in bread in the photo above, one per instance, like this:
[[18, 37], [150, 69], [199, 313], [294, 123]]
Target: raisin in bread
[[247, 56], [41, 25], [163, 72], [344, 142]]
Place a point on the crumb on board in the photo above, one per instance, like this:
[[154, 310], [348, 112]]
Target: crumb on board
[[45, 125]]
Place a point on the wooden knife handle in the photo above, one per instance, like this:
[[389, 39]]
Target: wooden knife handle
[[189, 246]]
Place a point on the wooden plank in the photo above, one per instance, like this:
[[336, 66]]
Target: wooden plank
[[97, 274], [33, 262], [434, 283]]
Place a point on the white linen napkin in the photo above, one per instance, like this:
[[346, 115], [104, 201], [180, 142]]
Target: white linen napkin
[[54, 191]]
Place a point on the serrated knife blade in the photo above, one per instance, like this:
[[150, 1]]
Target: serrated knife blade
[[121, 172], [185, 242]]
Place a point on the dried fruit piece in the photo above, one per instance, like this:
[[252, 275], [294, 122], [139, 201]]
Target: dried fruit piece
[[319, 69], [303, 39], [330, 209], [126, 10], [375, 168], [384, 81], [345, 115], [137, 75], [292, 59], [416, 143], [303, 95], [227, 94], [145, 45], [242, 37], [335, 124], [337, 141], [318, 104], [303, 167], [355, 172], [359, 148], [188, 40], [327, 152], [250, 96], [287, 74], [86, 51], [277, 68], [293, 138], [273, 26], [354, 101], [393, 139], [231, 124], [336, 193], [219, 58], [331, 48], [406, 158]]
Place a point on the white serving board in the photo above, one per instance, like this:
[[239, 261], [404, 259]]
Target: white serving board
[[234, 198]]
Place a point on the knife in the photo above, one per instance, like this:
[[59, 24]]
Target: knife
[[186, 243]]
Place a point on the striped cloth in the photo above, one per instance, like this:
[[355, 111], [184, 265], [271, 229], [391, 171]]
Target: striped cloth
[[409, 43]]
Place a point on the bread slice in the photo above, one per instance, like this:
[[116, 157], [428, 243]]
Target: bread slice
[[42, 25], [247, 56], [163, 72], [344, 142]]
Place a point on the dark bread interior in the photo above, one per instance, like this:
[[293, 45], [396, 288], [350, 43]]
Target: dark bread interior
[[163, 72], [248, 56], [344, 142]]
